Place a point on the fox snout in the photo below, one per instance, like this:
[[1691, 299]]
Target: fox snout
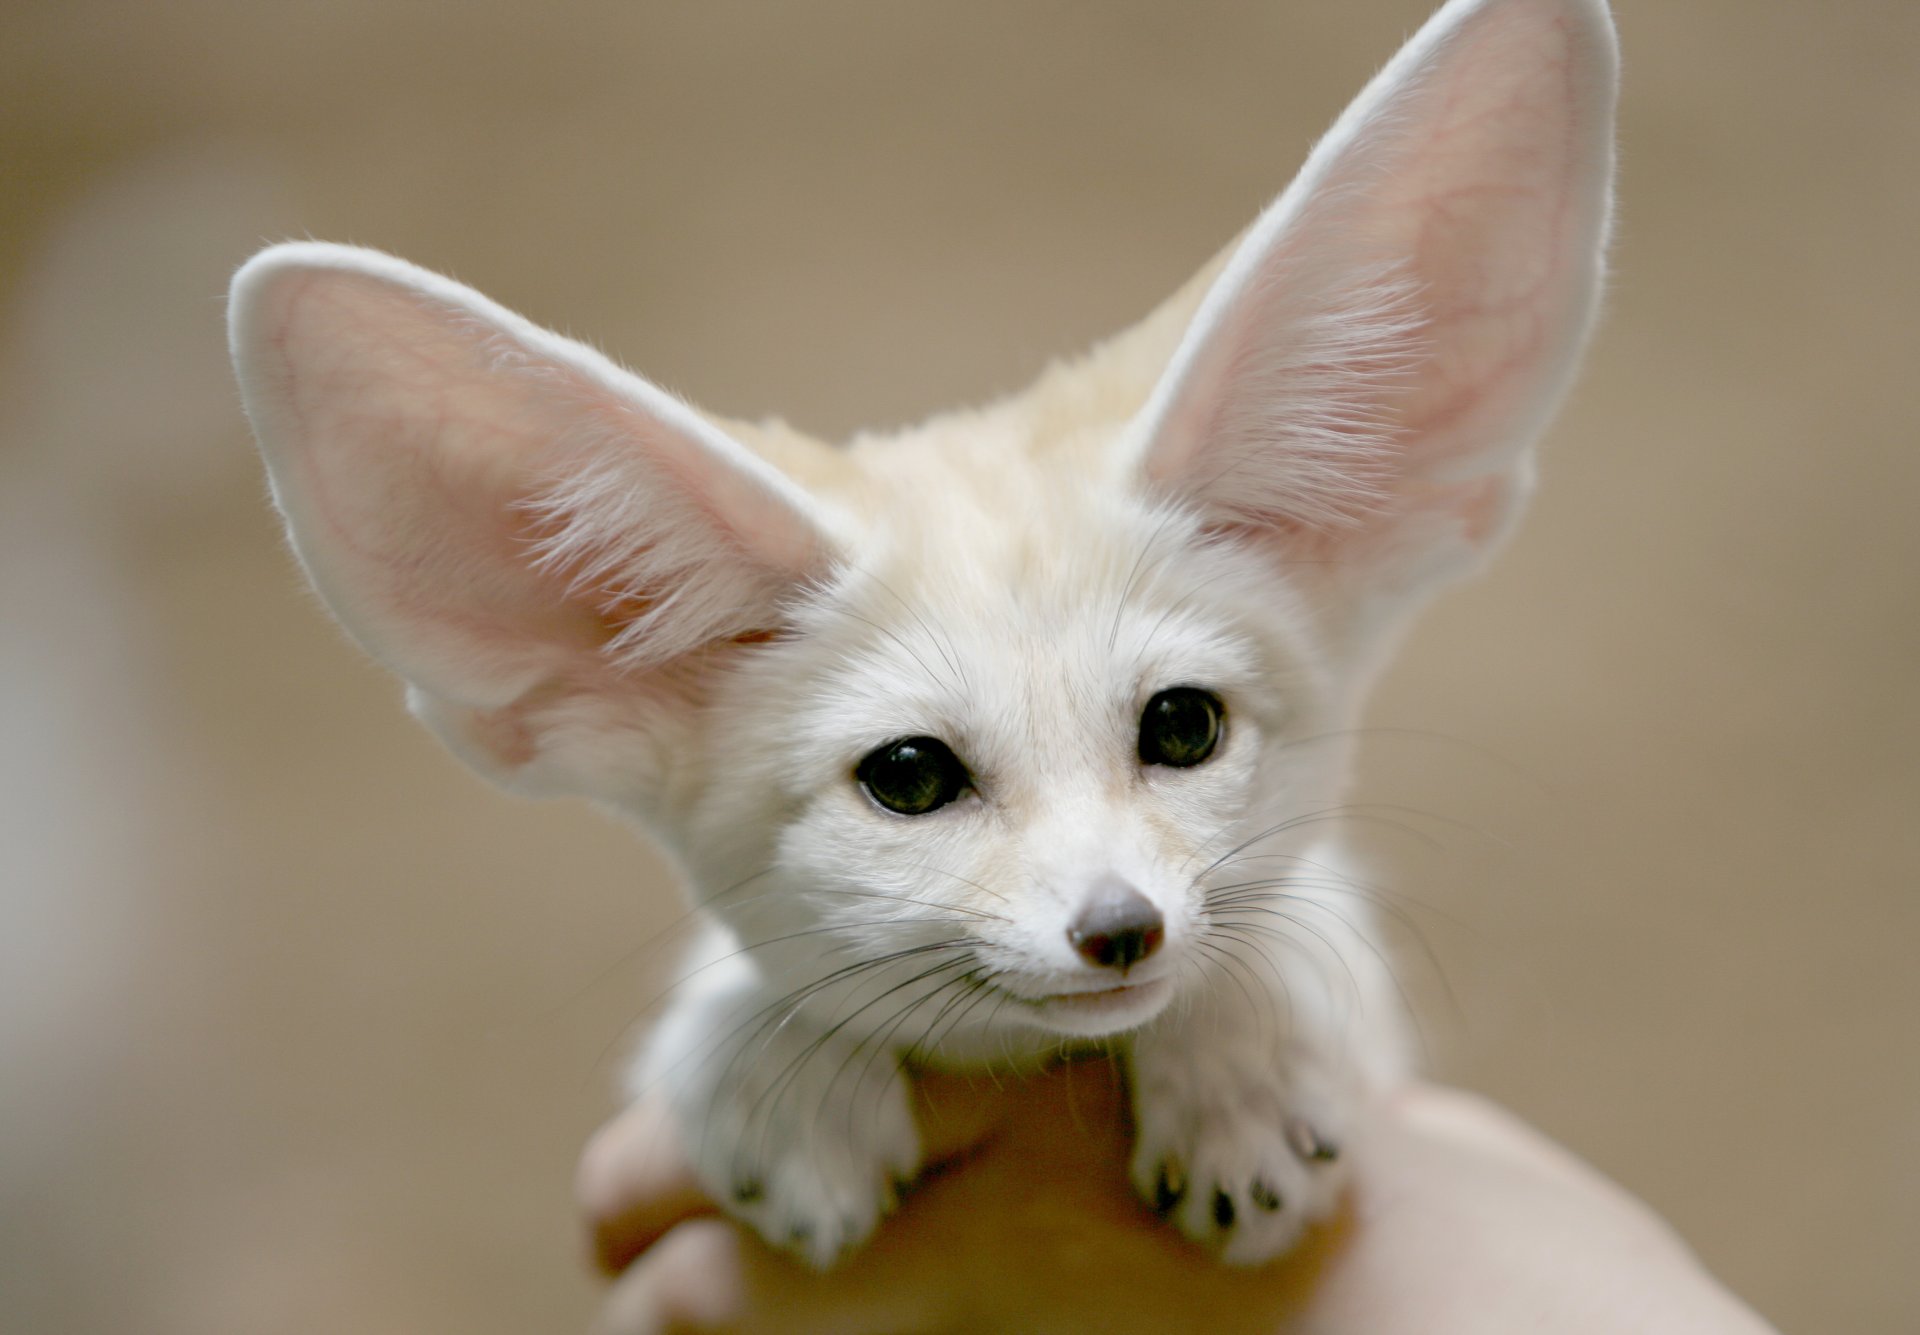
[[1117, 927]]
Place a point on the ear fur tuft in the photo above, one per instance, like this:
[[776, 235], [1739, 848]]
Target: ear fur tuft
[[663, 569], [1307, 440]]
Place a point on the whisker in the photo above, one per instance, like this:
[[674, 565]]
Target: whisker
[[929, 1042], [789, 1003], [1146, 549], [941, 643], [1260, 891], [894, 636], [1385, 958], [1229, 970], [790, 1072], [1342, 882], [927, 866], [810, 990], [883, 1041]]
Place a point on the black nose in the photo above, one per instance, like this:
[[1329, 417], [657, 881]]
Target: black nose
[[1117, 928]]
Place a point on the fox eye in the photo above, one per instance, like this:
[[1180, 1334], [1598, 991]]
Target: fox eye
[[913, 776], [1180, 727]]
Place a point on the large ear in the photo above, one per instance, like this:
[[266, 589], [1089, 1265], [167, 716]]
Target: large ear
[[549, 549], [1362, 382]]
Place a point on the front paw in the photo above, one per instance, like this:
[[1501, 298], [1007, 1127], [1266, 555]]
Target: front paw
[[1239, 1155], [814, 1163]]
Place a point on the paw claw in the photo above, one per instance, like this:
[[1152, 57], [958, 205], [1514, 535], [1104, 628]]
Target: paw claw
[[813, 1168], [1233, 1155], [1168, 1187], [1309, 1144]]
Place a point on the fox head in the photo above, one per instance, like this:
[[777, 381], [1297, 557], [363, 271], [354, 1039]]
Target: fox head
[[1035, 675]]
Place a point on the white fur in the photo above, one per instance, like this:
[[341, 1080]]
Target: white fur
[[591, 588]]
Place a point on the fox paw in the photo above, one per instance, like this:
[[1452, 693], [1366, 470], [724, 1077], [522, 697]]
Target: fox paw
[[813, 1166], [1239, 1160]]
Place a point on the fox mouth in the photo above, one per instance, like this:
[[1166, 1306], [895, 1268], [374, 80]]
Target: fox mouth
[[1090, 995], [1098, 1010]]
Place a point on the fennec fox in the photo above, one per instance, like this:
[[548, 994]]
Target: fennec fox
[[1020, 728]]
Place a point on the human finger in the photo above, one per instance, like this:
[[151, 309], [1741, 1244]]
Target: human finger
[[634, 1184], [688, 1280]]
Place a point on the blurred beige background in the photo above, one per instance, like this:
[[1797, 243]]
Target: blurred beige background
[[300, 1026]]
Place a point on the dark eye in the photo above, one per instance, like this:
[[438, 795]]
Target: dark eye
[[1180, 727], [913, 776]]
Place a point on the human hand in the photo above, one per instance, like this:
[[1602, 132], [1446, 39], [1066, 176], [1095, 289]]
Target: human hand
[[1461, 1219]]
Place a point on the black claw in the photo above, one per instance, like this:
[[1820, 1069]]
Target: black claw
[[1264, 1196], [1309, 1144], [1168, 1188], [1223, 1209], [748, 1190]]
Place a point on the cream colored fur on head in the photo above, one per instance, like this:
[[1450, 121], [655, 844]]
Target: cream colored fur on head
[[1208, 530]]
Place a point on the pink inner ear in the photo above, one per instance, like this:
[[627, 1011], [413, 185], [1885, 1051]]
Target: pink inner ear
[[407, 481], [489, 507], [1489, 192]]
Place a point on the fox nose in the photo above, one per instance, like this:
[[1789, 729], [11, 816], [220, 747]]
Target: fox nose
[[1117, 927]]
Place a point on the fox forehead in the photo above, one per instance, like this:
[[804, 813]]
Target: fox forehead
[[1026, 622]]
